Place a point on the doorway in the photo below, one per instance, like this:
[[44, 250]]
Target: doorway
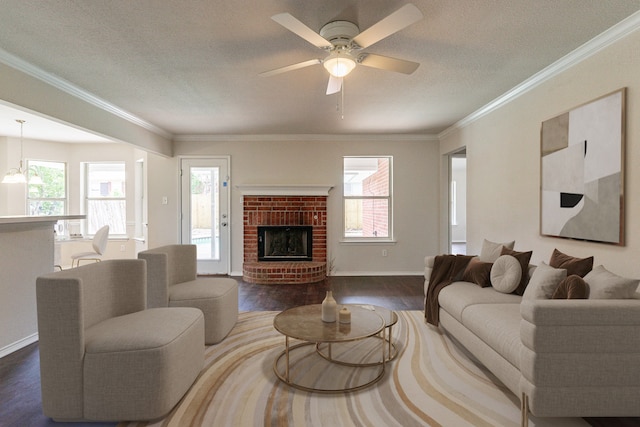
[[458, 202], [205, 211]]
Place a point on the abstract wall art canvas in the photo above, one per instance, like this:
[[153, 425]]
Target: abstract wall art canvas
[[582, 172]]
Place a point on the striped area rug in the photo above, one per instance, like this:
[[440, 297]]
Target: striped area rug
[[432, 382]]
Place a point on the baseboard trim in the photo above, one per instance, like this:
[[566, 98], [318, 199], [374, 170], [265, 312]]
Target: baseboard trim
[[5, 351], [359, 273], [377, 273]]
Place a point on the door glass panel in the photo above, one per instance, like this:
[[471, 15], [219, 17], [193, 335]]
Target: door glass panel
[[205, 211]]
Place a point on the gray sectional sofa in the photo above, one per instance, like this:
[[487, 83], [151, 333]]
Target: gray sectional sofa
[[561, 357]]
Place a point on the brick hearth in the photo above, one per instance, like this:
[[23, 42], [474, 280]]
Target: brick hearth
[[285, 210]]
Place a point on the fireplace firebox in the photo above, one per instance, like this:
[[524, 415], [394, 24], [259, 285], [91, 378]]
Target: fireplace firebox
[[285, 243]]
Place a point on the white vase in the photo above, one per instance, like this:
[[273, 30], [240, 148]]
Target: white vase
[[329, 308]]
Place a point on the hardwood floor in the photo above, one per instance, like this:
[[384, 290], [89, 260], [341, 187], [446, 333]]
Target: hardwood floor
[[20, 401], [396, 293]]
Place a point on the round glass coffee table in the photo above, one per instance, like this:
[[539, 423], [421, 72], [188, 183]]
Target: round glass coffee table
[[390, 318], [319, 372]]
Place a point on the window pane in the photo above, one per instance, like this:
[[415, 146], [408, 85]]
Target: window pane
[[53, 179], [106, 180], [205, 212], [366, 217], [106, 212], [46, 207], [366, 176]]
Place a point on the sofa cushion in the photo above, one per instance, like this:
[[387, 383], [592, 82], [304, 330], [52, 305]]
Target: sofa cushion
[[573, 265], [544, 282], [216, 297], [157, 352], [456, 297], [506, 274], [523, 258], [491, 251], [498, 325], [478, 272], [573, 287], [201, 288], [152, 328], [603, 284]]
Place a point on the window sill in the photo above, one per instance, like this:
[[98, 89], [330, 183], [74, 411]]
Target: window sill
[[367, 241]]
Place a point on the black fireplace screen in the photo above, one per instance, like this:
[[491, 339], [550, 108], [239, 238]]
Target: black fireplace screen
[[285, 243]]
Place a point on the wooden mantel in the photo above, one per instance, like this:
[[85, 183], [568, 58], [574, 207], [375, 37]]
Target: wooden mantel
[[284, 189]]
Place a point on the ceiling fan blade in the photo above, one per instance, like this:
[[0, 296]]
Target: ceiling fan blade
[[398, 20], [295, 26], [291, 67], [335, 84], [388, 63]]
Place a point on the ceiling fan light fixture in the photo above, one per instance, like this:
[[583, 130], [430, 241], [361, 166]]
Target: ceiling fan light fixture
[[339, 64]]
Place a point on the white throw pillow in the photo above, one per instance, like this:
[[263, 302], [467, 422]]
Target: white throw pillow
[[603, 284], [491, 250], [506, 274], [544, 282]]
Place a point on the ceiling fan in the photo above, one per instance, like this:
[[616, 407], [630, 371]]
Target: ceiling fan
[[344, 42]]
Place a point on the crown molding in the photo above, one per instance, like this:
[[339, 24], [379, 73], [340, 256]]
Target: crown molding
[[59, 83], [590, 48], [306, 137]]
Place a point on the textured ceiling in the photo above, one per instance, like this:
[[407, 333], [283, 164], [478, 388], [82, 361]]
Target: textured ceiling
[[192, 67]]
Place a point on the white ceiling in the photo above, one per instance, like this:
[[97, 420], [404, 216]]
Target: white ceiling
[[192, 67]]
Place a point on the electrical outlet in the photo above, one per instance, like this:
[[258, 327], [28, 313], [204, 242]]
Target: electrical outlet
[[122, 248], [384, 252]]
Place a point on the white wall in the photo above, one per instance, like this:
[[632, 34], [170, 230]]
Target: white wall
[[163, 180], [503, 160], [415, 197]]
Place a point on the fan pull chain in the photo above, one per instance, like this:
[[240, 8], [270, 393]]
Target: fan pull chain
[[342, 99]]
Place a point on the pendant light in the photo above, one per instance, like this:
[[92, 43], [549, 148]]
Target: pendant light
[[19, 175]]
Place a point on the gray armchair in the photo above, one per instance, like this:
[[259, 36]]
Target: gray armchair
[[172, 281], [103, 357]]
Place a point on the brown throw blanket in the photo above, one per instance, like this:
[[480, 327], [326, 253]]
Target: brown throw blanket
[[446, 270]]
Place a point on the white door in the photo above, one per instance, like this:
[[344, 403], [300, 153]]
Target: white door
[[205, 212]]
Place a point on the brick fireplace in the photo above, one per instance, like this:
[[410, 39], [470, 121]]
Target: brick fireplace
[[285, 207]]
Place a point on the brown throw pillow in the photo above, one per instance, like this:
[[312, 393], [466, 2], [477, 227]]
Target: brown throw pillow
[[573, 287], [478, 272], [573, 265], [523, 258]]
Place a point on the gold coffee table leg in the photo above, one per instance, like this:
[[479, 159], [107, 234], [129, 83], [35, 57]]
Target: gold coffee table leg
[[286, 339], [284, 377]]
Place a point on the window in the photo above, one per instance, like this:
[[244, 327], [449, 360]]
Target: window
[[367, 198], [50, 197], [105, 202]]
